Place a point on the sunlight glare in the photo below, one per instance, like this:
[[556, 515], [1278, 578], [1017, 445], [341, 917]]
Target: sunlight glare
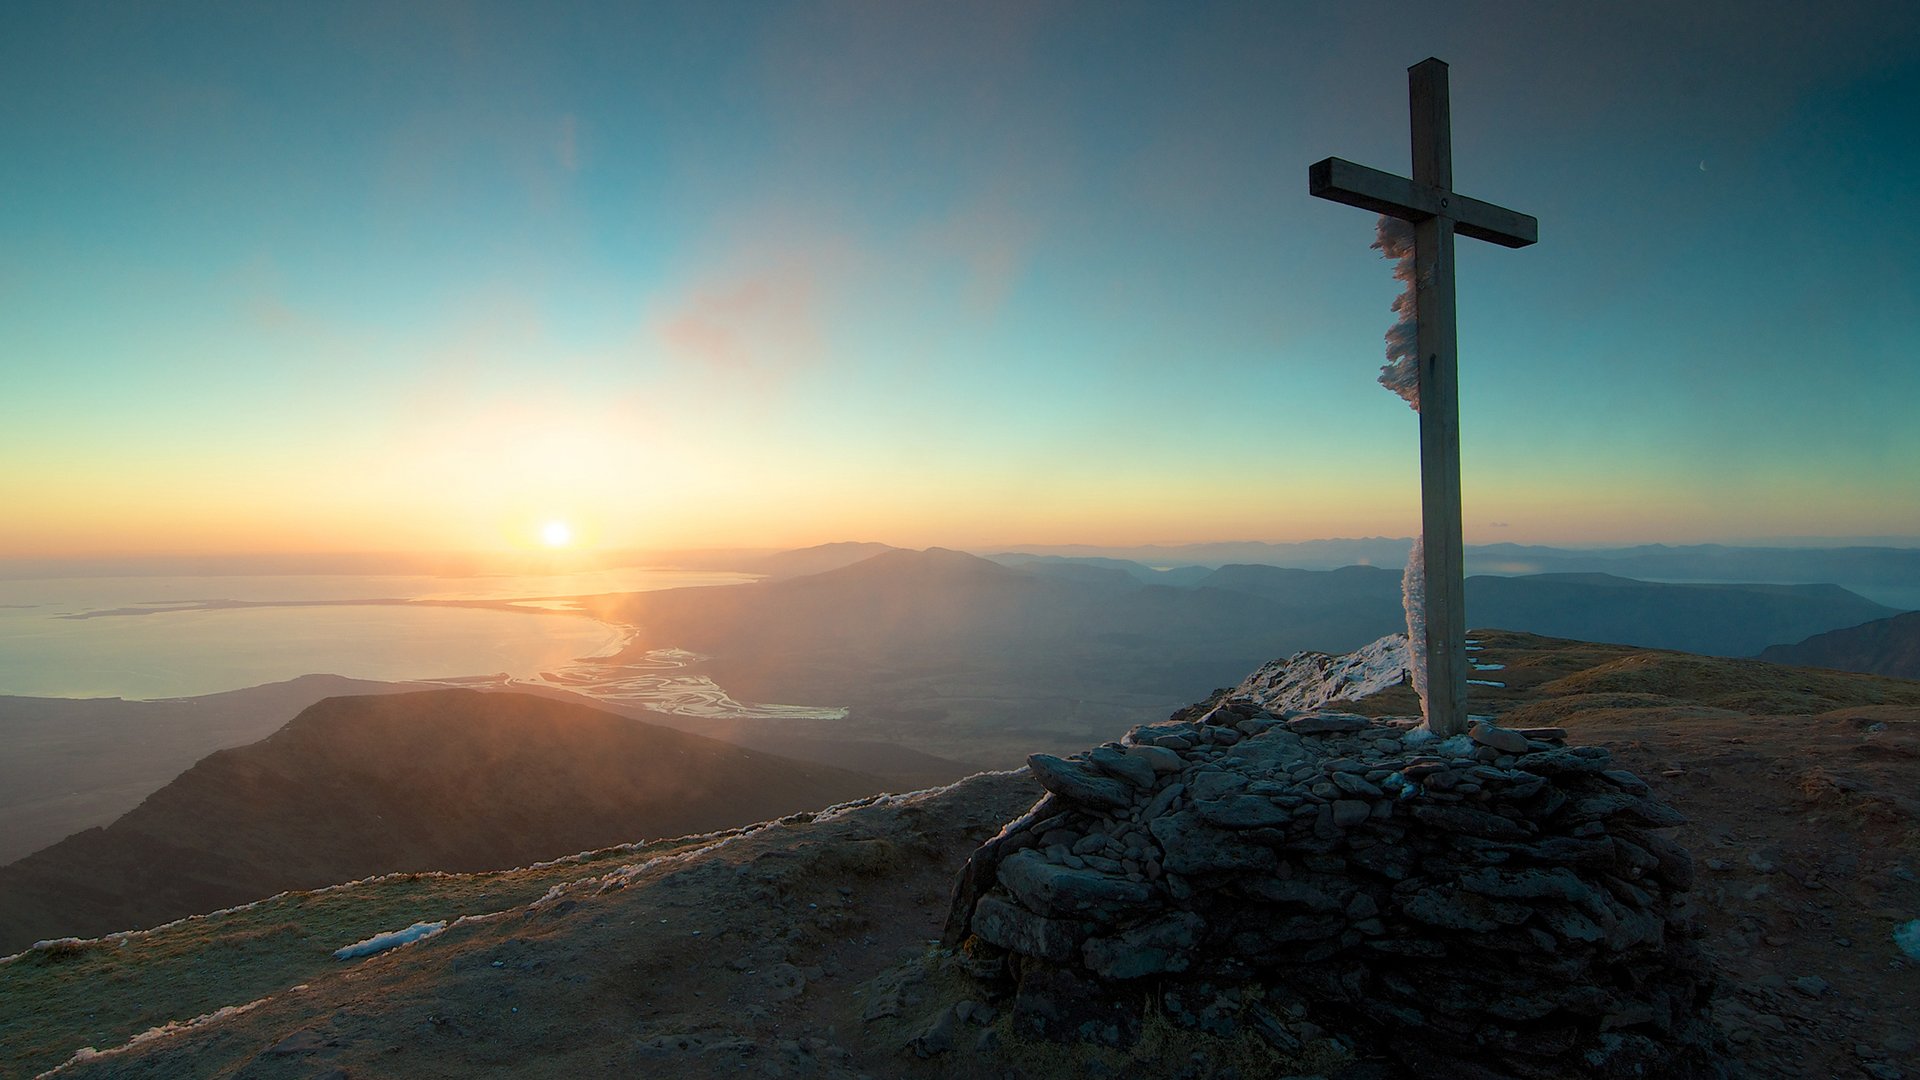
[[556, 534]]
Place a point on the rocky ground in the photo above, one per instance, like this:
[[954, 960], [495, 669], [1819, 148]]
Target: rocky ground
[[807, 948]]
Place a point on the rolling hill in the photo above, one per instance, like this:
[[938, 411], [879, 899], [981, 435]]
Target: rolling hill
[[437, 780], [1881, 647]]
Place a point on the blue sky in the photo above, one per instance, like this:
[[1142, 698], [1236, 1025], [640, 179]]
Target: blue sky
[[371, 277]]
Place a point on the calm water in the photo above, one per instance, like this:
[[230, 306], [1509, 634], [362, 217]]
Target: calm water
[[154, 637]]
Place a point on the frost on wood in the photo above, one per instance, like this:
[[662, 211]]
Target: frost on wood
[[1393, 238], [1413, 597]]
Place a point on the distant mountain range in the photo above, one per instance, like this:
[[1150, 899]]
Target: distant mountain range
[[436, 780], [1881, 647], [946, 651], [1895, 568]]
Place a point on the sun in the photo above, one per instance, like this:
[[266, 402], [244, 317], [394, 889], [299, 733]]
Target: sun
[[556, 534]]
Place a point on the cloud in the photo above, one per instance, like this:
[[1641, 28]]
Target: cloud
[[761, 311], [762, 321]]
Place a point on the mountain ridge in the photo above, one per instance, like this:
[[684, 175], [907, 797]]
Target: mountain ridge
[[1889, 646], [448, 779]]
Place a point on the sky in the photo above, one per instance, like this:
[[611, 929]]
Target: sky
[[432, 276]]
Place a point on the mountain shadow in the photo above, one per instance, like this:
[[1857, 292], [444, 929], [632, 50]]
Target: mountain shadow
[[1881, 647], [453, 780]]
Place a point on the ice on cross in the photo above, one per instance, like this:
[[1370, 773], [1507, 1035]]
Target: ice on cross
[[1437, 213]]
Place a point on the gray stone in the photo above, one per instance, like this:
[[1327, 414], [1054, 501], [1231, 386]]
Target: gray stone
[[1166, 729], [1161, 800], [1350, 812], [1076, 781], [1570, 924], [1446, 907], [1119, 763], [1626, 782], [1241, 812], [1328, 723], [1470, 822], [1194, 847], [1278, 891], [1355, 784], [1391, 861], [1673, 863], [1563, 760], [1158, 758], [1498, 738], [1570, 851], [1271, 748], [1557, 883], [1267, 935], [1059, 890], [1207, 786], [1006, 924], [1161, 947], [937, 1039], [1632, 808]]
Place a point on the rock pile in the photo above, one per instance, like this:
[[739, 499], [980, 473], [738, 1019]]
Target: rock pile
[[1494, 904]]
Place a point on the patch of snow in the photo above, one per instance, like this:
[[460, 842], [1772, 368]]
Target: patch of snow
[[1486, 682], [1478, 666], [1457, 746], [390, 940], [1308, 680], [1907, 936]]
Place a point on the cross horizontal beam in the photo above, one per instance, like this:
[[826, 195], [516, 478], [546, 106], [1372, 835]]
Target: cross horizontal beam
[[1396, 196]]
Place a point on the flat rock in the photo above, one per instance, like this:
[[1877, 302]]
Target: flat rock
[[1158, 758], [1194, 847], [1328, 724], [1567, 760], [1159, 947], [1557, 883], [1048, 887], [1008, 925], [1242, 812], [1501, 739], [1350, 812], [1471, 822], [1118, 763], [1077, 781]]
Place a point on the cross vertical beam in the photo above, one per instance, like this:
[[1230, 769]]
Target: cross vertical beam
[[1429, 202], [1442, 537]]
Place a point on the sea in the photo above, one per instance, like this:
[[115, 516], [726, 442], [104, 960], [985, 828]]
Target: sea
[[153, 637]]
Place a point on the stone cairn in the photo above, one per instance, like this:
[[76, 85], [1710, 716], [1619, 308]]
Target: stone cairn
[[1490, 905]]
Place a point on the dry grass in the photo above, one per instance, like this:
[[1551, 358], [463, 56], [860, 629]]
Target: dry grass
[[101, 992]]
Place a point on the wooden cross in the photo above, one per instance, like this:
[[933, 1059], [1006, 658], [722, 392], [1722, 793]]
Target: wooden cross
[[1429, 203]]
